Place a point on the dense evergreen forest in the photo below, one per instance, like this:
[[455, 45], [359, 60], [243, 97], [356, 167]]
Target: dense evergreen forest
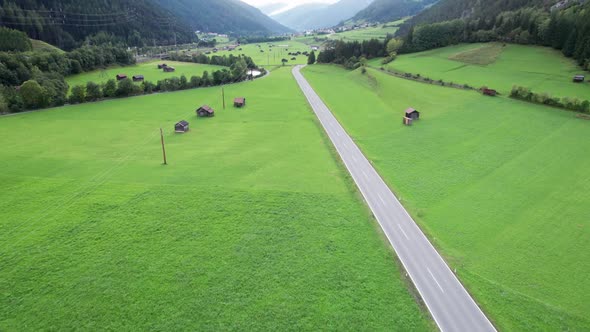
[[536, 22], [66, 23], [229, 16]]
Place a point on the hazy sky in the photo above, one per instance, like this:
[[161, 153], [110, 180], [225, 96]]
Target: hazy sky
[[291, 2]]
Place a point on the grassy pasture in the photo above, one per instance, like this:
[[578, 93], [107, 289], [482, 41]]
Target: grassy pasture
[[272, 56], [540, 68], [253, 225], [500, 186], [378, 32], [148, 69], [39, 45]]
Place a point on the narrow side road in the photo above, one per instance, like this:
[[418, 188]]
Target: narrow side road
[[452, 308]]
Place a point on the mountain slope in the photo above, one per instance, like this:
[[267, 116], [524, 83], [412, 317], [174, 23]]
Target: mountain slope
[[446, 10], [391, 10], [65, 23], [228, 16], [315, 16]]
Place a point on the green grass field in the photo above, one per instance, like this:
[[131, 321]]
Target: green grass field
[[378, 32], [272, 56], [500, 186], [253, 225], [39, 45], [148, 69], [539, 68]]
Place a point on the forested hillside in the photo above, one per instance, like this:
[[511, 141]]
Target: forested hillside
[[65, 23], [229, 16], [391, 10], [446, 10], [537, 22]]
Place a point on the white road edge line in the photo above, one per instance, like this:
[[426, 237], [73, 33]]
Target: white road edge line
[[433, 278]]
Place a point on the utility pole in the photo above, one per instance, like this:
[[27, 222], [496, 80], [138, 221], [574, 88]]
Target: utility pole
[[223, 96], [163, 147]]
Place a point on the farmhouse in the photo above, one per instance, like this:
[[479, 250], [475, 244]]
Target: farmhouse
[[169, 69], [412, 114], [489, 92], [137, 78], [240, 102], [579, 78], [121, 77], [205, 111], [162, 65], [181, 127]]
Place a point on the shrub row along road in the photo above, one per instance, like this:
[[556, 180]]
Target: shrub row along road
[[450, 305]]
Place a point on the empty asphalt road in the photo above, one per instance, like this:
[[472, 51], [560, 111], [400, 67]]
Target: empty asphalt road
[[450, 305]]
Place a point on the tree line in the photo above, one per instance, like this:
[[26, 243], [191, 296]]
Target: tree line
[[567, 30], [351, 54], [44, 72], [44, 89]]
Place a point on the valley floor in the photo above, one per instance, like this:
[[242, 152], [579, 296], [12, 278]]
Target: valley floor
[[499, 185]]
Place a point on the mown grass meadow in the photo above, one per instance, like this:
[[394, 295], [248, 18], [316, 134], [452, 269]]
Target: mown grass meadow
[[500, 186], [149, 70], [253, 225], [497, 66]]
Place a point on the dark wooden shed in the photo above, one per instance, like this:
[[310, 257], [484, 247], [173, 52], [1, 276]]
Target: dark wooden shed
[[489, 92], [121, 77], [162, 66], [137, 78], [240, 102], [579, 79], [412, 114], [205, 111], [169, 69], [181, 127]]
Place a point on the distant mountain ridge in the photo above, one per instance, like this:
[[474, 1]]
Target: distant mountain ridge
[[319, 15], [228, 16]]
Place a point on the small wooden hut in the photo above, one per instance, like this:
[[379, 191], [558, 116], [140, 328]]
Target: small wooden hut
[[407, 121], [579, 79], [162, 66], [181, 127], [412, 114], [489, 92], [138, 78], [121, 77], [240, 102], [169, 69], [205, 111]]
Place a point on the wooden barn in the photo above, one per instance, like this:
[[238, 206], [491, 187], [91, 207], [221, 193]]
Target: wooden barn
[[579, 79], [489, 92], [412, 114], [205, 111], [121, 77], [240, 102], [138, 78], [162, 66], [181, 127], [169, 69]]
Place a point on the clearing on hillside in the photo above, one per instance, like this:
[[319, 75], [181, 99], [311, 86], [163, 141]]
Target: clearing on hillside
[[253, 225], [500, 186]]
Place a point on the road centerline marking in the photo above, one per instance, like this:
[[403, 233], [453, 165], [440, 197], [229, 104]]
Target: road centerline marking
[[436, 281], [403, 232]]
